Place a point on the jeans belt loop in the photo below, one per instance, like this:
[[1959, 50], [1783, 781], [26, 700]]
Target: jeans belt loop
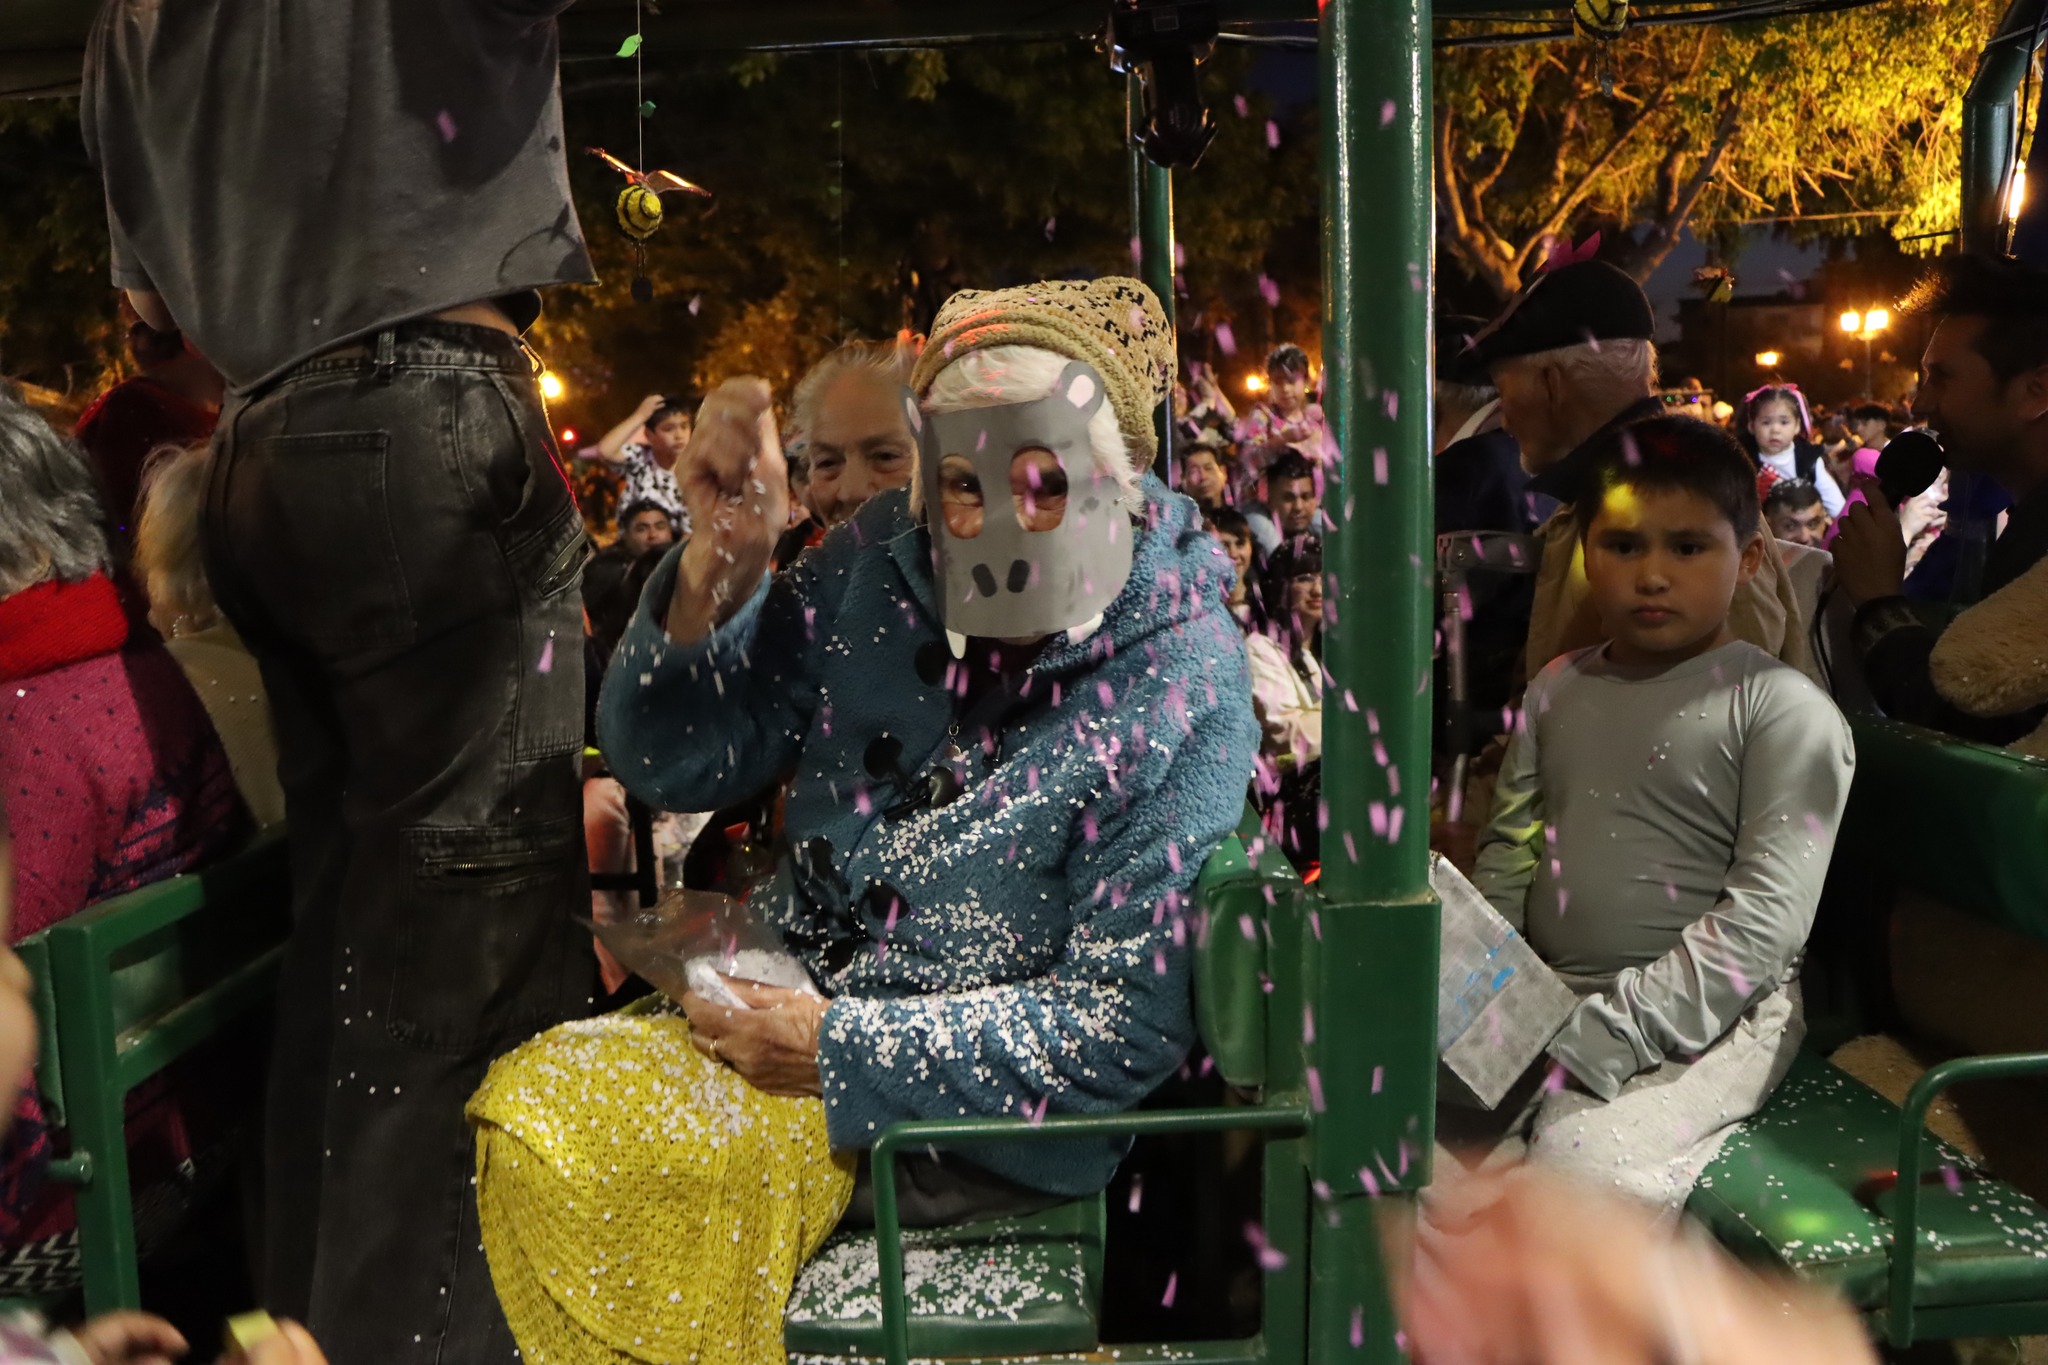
[[387, 355]]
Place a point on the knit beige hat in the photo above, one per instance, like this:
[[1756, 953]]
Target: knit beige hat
[[1114, 323]]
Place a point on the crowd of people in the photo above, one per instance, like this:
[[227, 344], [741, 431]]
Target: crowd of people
[[924, 663]]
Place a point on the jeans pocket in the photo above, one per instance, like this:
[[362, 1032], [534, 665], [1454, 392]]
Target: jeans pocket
[[481, 949], [322, 514], [548, 691]]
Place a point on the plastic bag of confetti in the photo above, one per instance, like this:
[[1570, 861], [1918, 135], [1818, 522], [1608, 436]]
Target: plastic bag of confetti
[[693, 940], [1498, 1004]]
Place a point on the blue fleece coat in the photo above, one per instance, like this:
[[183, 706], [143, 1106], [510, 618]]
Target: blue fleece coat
[[1022, 949]]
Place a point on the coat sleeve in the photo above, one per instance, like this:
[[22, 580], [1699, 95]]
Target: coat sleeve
[[1797, 760], [1292, 721], [698, 727], [1112, 1018], [1505, 863]]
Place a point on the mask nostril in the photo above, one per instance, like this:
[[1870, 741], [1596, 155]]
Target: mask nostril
[[1020, 575], [984, 580]]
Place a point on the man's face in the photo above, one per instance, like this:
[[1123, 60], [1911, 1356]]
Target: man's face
[[1981, 422], [669, 436], [1529, 394], [1201, 478], [1662, 565], [1290, 393], [649, 529], [860, 443], [1807, 526], [1293, 504]]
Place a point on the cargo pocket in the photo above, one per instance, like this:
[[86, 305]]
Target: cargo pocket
[[548, 695], [483, 949], [325, 517]]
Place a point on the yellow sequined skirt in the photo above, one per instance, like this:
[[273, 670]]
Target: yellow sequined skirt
[[641, 1203]]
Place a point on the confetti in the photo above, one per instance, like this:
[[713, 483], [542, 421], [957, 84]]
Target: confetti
[[1242, 105], [1226, 340], [445, 121], [1272, 134]]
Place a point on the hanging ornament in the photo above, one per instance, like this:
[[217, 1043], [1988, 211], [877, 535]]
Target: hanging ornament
[[1600, 18], [638, 207]]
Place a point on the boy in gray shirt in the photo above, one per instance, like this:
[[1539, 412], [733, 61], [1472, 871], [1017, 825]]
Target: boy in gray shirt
[[1661, 830]]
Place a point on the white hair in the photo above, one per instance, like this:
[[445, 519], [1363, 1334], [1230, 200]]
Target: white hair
[[1626, 365], [998, 375], [51, 524], [889, 361]]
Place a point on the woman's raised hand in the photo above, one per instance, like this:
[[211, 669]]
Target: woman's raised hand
[[736, 485]]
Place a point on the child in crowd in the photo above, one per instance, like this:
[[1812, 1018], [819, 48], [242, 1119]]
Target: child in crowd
[[1662, 826], [1776, 428], [645, 448], [1286, 418], [1795, 512]]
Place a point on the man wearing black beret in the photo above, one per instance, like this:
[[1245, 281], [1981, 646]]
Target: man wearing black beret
[[1572, 358]]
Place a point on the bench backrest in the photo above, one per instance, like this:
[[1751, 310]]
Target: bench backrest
[[1235, 961], [1960, 823]]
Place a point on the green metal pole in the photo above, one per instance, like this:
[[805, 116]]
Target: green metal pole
[[1373, 975], [1152, 236]]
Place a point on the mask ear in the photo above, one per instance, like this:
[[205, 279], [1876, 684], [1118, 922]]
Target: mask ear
[[1081, 386], [911, 413]]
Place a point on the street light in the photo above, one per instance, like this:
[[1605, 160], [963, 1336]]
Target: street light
[[1768, 359], [1255, 383], [550, 385], [1864, 327]]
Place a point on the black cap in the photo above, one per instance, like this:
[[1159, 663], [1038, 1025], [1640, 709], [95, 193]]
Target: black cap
[[1454, 357], [1569, 306]]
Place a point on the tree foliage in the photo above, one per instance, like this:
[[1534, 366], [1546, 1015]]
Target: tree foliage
[[58, 323], [1834, 122]]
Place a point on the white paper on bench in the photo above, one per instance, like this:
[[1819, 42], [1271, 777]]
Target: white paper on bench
[[1498, 1005]]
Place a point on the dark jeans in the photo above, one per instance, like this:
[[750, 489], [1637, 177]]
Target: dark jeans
[[390, 530]]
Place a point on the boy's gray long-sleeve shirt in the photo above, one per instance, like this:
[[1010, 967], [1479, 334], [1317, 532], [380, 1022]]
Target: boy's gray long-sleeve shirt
[[1670, 828]]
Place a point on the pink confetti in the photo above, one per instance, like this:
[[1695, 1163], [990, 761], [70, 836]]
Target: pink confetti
[[1391, 400], [1951, 1178], [1379, 465], [445, 121], [1350, 846], [1051, 224], [696, 302], [1308, 1024], [1357, 1328], [1172, 1284], [1242, 105], [1315, 924], [1270, 1256], [1365, 1178], [1226, 340], [1379, 1078], [1137, 1192], [1394, 824], [547, 656], [1315, 1089], [1386, 113], [1272, 134], [1377, 814], [1137, 252], [1269, 291]]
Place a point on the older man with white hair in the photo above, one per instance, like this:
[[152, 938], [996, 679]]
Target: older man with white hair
[[1573, 358]]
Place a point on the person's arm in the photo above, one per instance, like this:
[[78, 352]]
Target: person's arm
[[611, 446], [1830, 491], [1293, 726], [713, 686], [1505, 863], [1797, 760], [1895, 643], [1111, 1019]]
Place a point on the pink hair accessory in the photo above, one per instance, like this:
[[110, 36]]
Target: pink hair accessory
[[1563, 253]]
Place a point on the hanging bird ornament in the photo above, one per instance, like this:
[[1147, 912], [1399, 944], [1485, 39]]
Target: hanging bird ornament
[[1600, 18], [639, 204], [1714, 282], [638, 207]]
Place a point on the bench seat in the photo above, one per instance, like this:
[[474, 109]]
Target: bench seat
[[1805, 1186], [1005, 1287]]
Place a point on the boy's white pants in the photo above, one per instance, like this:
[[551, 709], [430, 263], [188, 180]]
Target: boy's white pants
[[1653, 1139]]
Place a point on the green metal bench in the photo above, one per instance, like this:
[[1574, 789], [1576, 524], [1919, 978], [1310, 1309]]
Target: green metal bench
[[122, 990], [1830, 1180], [1010, 1288]]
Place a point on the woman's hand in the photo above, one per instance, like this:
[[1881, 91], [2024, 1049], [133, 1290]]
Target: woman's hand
[[773, 1043], [129, 1339], [736, 484]]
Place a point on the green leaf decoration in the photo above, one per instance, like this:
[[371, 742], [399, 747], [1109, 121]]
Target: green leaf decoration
[[630, 46], [646, 108]]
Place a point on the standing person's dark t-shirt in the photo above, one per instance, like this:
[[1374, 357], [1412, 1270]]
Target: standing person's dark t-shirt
[[334, 168]]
